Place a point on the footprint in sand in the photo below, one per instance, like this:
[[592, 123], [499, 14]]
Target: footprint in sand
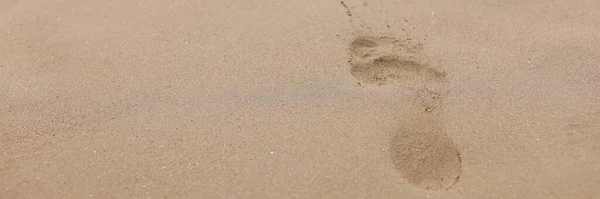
[[386, 60], [425, 156]]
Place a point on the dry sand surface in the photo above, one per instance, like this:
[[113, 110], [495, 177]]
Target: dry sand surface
[[299, 99]]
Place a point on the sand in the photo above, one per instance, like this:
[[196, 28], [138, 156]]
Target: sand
[[299, 99]]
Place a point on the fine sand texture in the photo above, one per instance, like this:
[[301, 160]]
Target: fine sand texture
[[299, 99]]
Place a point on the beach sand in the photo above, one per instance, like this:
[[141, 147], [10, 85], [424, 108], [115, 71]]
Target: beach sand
[[299, 99]]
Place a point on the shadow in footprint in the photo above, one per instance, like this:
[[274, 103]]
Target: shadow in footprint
[[425, 156]]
